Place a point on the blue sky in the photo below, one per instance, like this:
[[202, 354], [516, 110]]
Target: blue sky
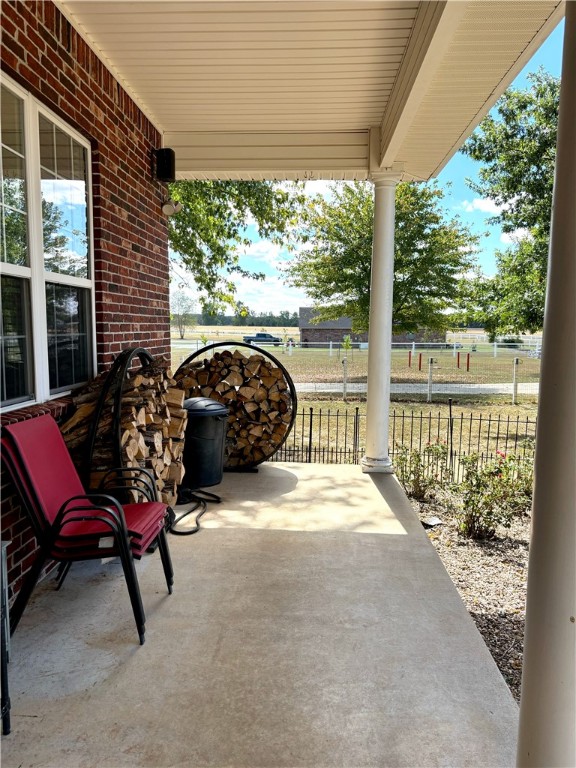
[[459, 197], [274, 295]]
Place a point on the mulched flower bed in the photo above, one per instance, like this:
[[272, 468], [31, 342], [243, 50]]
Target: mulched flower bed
[[491, 577]]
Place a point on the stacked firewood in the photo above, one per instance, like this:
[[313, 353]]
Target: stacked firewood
[[152, 427], [257, 395]]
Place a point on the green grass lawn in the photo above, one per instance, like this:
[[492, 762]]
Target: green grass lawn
[[325, 366]]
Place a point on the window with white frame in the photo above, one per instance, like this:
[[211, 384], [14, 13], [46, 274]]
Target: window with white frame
[[45, 257]]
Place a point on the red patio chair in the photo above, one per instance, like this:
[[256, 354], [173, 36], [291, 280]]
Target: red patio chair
[[71, 524]]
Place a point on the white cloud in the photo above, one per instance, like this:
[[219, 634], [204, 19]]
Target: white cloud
[[270, 295], [324, 188], [514, 237], [483, 204], [268, 253]]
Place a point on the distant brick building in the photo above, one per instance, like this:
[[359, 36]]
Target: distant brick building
[[326, 330], [335, 331]]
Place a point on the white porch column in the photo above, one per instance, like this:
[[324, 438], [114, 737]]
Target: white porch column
[[380, 332], [547, 733]]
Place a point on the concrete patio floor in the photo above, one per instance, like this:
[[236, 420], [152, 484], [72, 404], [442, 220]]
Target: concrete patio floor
[[312, 624]]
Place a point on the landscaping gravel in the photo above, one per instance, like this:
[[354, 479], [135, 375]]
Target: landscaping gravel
[[491, 579]]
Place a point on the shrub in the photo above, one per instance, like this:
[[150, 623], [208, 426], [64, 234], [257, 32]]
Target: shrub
[[419, 472], [512, 342], [493, 494]]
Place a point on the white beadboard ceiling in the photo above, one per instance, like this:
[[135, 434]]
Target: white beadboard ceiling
[[287, 89]]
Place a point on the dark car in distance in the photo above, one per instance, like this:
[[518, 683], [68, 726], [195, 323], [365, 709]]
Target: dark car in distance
[[262, 338]]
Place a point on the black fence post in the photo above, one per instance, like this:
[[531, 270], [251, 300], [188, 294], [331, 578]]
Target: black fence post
[[310, 437], [450, 435]]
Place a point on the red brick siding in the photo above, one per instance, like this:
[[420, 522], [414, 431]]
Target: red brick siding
[[314, 335], [44, 54], [323, 335]]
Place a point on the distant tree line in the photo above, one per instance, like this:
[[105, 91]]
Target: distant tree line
[[269, 319]]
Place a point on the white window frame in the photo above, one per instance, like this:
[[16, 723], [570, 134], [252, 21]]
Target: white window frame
[[36, 274]]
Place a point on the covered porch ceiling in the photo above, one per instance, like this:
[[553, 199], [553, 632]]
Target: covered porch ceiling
[[314, 89]]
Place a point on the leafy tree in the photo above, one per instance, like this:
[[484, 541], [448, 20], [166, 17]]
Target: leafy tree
[[210, 232], [517, 149], [513, 300], [283, 318], [431, 255], [478, 301], [210, 314], [242, 312], [182, 307]]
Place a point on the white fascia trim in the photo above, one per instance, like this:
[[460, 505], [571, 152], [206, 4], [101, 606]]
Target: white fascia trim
[[439, 40]]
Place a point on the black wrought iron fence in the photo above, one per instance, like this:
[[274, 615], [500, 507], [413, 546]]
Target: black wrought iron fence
[[463, 434], [334, 436], [325, 436]]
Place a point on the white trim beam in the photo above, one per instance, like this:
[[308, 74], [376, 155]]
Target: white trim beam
[[434, 28], [302, 155]]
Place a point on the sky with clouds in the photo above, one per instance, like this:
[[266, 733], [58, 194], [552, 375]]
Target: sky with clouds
[[273, 295]]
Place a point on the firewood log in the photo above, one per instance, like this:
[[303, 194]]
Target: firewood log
[[175, 397], [82, 414]]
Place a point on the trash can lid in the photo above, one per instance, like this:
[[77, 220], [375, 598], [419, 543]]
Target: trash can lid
[[204, 406]]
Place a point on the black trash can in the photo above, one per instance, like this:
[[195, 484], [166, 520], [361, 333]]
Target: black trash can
[[203, 456]]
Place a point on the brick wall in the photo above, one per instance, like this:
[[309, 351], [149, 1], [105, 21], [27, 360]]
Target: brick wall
[[314, 335], [44, 54]]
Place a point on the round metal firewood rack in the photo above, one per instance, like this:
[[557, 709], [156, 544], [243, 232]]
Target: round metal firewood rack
[[232, 453]]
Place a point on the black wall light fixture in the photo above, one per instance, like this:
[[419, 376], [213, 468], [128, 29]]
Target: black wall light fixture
[[164, 164]]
